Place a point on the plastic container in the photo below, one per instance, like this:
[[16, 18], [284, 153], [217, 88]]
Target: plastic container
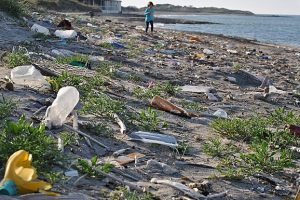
[[221, 113], [28, 75], [40, 29], [65, 34], [66, 100]]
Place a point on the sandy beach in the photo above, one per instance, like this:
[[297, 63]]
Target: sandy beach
[[233, 75]]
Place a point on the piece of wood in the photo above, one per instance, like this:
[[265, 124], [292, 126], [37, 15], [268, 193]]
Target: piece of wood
[[131, 185], [162, 104], [187, 191], [121, 124], [86, 135], [298, 194], [44, 71]]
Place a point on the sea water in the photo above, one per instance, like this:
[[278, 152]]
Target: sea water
[[264, 28]]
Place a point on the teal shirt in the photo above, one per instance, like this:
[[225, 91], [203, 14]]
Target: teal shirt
[[149, 13]]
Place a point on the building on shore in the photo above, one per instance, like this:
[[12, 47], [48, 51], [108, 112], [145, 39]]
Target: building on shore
[[106, 6]]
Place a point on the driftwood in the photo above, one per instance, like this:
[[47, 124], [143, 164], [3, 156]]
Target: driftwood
[[86, 135], [131, 185], [44, 71], [187, 191], [121, 124]]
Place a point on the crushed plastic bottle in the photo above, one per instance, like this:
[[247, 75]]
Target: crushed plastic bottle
[[28, 75], [66, 100], [65, 34], [40, 29]]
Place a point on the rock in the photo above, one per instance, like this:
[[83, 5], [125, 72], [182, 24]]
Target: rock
[[161, 166]]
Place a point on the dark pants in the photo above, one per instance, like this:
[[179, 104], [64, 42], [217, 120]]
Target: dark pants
[[147, 26]]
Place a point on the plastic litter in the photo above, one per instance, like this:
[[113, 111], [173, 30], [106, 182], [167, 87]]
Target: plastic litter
[[72, 173], [28, 75], [221, 113], [208, 52], [91, 25], [266, 57], [273, 89], [9, 188], [196, 89], [154, 138], [232, 51], [65, 34], [117, 45], [66, 100], [168, 52], [194, 39], [40, 29], [22, 174], [62, 53], [162, 166]]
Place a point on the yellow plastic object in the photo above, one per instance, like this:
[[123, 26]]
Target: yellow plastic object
[[19, 170]]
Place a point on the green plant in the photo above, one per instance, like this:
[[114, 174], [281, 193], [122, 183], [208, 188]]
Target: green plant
[[121, 193], [148, 120], [183, 148], [237, 67], [265, 159], [6, 108], [135, 78], [189, 105], [107, 45], [85, 167], [17, 58], [107, 167], [65, 79], [23, 135], [215, 148], [69, 138], [53, 177], [268, 138], [164, 90], [108, 68], [71, 59], [102, 106], [90, 168], [13, 7]]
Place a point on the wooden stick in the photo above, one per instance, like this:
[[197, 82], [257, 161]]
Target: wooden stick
[[44, 71], [86, 135], [121, 124], [119, 180]]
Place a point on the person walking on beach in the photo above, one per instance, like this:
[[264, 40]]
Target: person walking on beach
[[149, 13]]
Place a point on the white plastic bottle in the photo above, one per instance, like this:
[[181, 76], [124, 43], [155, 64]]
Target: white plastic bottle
[[66, 100]]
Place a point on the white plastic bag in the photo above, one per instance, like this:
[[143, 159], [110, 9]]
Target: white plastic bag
[[65, 34], [40, 29], [66, 100], [28, 75]]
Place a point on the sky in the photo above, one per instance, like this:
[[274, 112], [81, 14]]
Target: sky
[[257, 6]]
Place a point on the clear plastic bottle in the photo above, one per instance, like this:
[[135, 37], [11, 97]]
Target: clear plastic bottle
[[66, 100]]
